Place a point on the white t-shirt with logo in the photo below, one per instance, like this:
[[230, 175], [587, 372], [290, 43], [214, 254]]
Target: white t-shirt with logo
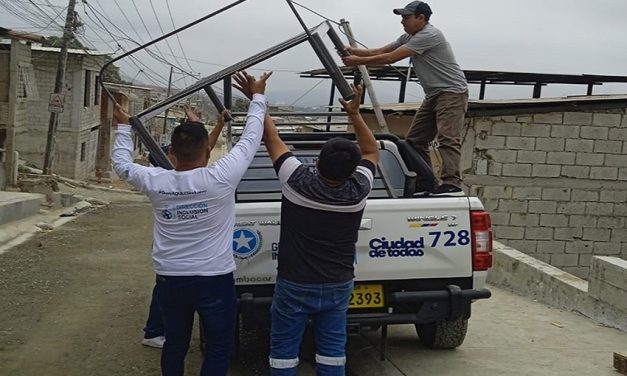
[[194, 210]]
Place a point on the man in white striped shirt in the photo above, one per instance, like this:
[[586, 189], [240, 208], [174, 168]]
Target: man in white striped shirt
[[320, 217]]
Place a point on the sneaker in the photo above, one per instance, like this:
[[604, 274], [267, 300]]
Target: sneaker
[[154, 342], [448, 190], [421, 191]]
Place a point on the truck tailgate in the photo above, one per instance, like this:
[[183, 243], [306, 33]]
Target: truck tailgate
[[398, 239], [414, 239]]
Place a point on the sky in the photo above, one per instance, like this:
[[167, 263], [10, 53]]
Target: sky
[[542, 36]]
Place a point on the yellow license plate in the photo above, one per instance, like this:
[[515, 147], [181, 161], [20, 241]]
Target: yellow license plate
[[367, 296]]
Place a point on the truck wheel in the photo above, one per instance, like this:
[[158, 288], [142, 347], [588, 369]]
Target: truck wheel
[[443, 334]]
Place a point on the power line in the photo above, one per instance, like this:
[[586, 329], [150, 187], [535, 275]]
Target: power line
[[163, 33], [145, 27], [308, 91], [44, 13], [316, 13], [128, 20], [128, 37], [24, 16], [177, 36], [134, 60]]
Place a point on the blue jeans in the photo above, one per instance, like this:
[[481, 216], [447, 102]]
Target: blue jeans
[[293, 305], [154, 324], [214, 300]]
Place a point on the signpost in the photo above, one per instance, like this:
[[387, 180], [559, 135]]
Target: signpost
[[56, 103]]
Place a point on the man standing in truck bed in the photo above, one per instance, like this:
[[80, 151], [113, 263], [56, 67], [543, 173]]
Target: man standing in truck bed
[[320, 217], [446, 92]]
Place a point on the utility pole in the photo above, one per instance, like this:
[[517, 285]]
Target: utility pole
[[165, 119], [68, 35]]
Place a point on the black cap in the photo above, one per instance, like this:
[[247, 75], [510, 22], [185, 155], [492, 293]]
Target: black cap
[[415, 7], [338, 159]]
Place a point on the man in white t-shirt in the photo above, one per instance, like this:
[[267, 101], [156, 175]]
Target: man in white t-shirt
[[194, 211]]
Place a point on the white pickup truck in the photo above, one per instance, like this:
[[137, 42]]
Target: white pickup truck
[[419, 260]]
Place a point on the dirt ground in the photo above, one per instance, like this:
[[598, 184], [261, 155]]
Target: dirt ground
[[73, 301]]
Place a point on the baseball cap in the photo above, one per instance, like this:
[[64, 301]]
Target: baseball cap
[[415, 7], [338, 159]]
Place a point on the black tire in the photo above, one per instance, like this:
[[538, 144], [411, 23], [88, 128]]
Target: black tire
[[443, 334]]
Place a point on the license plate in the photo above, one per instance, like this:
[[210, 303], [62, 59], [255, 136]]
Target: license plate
[[367, 296]]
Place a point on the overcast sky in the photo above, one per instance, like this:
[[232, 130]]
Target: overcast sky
[[544, 36]]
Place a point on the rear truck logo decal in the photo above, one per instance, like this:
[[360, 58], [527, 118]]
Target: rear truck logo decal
[[432, 218], [249, 279], [246, 243], [382, 247], [416, 225]]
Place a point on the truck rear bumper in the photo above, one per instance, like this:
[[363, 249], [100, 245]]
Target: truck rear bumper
[[424, 307], [430, 306]]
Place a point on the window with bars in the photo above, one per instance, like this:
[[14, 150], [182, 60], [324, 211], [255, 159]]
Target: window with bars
[[86, 94], [97, 91], [26, 85]]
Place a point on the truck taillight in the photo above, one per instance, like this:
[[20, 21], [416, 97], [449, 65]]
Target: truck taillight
[[481, 228]]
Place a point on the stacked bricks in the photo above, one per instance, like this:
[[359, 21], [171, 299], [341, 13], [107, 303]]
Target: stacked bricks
[[554, 183]]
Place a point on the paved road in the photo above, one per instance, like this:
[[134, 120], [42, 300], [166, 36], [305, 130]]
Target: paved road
[[73, 302]]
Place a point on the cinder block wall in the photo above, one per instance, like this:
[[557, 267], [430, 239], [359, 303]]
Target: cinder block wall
[[77, 124], [555, 183]]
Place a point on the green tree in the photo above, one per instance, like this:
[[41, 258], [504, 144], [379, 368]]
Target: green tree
[[112, 73], [240, 105]]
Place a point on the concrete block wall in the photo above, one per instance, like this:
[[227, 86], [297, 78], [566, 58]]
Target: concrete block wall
[[75, 121], [608, 282], [554, 183], [601, 298]]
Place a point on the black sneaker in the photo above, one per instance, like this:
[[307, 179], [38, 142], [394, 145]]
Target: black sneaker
[[448, 190], [421, 191]]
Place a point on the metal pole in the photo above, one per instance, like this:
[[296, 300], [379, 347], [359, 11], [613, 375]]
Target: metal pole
[[366, 77], [228, 104], [165, 118], [331, 99], [405, 79], [68, 35], [327, 61]]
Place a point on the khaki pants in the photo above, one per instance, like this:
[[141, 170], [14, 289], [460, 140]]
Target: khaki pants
[[442, 115]]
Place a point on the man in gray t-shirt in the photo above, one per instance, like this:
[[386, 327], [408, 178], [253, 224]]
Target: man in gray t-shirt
[[446, 93]]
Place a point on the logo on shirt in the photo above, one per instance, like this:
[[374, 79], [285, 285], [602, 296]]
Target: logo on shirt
[[246, 243], [166, 214]]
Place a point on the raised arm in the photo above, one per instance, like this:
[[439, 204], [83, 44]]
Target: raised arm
[[371, 51], [215, 132], [122, 154], [233, 165], [384, 57], [365, 138], [276, 147]]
